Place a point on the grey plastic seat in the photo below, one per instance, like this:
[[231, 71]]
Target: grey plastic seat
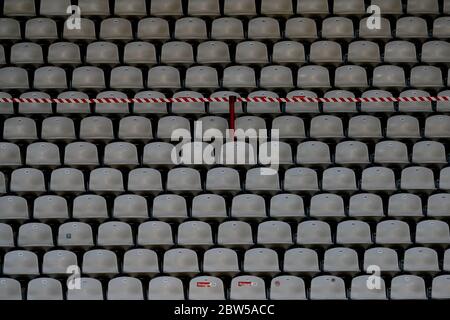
[[50, 207], [201, 77], [17, 8], [20, 263], [58, 128], [404, 204], [353, 232], [125, 288], [144, 180], [402, 126], [300, 28], [41, 29], [142, 107], [213, 52], [341, 260], [385, 258], [301, 261], [158, 154], [287, 206], [44, 289], [377, 106], [314, 232], [54, 7], [42, 154], [85, 33], [209, 206], [388, 76], [169, 126], [247, 288], [430, 232], [239, 77], [223, 107], [126, 77], [6, 107], [360, 291], [337, 28], [408, 287], [312, 7], [327, 288], [153, 29], [75, 235], [68, 108], [440, 28], [94, 8], [165, 288], [120, 154], [10, 29], [204, 8], [170, 206], [378, 179], [363, 52], [88, 78], [444, 179], [220, 261], [2, 184], [439, 287], [194, 233], [237, 153], [81, 154], [426, 77], [339, 179], [400, 51], [89, 207], [251, 52], [353, 7], [135, 128], [155, 233], [325, 52], [257, 181], [313, 76], [301, 180], [350, 76], [223, 179], [287, 288], [366, 205], [13, 208], [9, 155], [411, 27], [106, 180], [166, 8], [57, 262], [67, 180], [435, 52], [391, 152], [91, 289], [102, 52], [27, 180], [35, 235], [164, 77], [13, 78], [100, 262], [429, 152], [327, 205], [280, 8], [239, 8], [346, 81], [235, 234], [227, 28], [420, 260], [442, 105], [10, 289], [140, 261], [130, 8], [393, 232], [326, 126], [276, 77], [257, 107], [289, 127], [206, 288], [184, 180], [275, 153], [190, 28], [177, 52], [350, 153], [26, 53], [116, 29], [263, 28], [248, 206], [313, 153], [35, 107], [180, 261], [414, 106], [130, 206], [6, 236], [393, 7], [139, 53], [417, 179], [438, 205], [274, 233], [260, 261], [287, 52], [300, 107], [96, 128]]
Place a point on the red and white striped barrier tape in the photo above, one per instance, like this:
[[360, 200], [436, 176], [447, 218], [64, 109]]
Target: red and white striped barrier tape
[[224, 99]]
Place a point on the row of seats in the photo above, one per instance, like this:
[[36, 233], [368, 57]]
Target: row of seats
[[138, 128], [234, 77], [231, 233], [403, 287], [218, 52], [231, 29], [139, 8], [214, 207]]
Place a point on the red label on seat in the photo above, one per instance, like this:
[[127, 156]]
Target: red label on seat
[[245, 283], [203, 284]]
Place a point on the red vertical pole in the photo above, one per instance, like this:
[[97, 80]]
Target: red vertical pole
[[232, 101]]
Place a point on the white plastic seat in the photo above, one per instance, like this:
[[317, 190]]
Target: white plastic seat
[[165, 288], [41, 29], [130, 206], [44, 289], [300, 28], [35, 235], [180, 261], [327, 288], [6, 108], [337, 28], [352, 7], [139, 52], [408, 287], [190, 28], [153, 29], [100, 262], [126, 77], [114, 234], [235, 234], [75, 235], [200, 79], [206, 288], [223, 107], [247, 288], [58, 128], [393, 232], [417, 179], [67, 180], [263, 28], [411, 27], [177, 52], [314, 232], [140, 261], [169, 207], [155, 233], [405, 205], [227, 28], [116, 29], [135, 128], [106, 180], [42, 154]]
